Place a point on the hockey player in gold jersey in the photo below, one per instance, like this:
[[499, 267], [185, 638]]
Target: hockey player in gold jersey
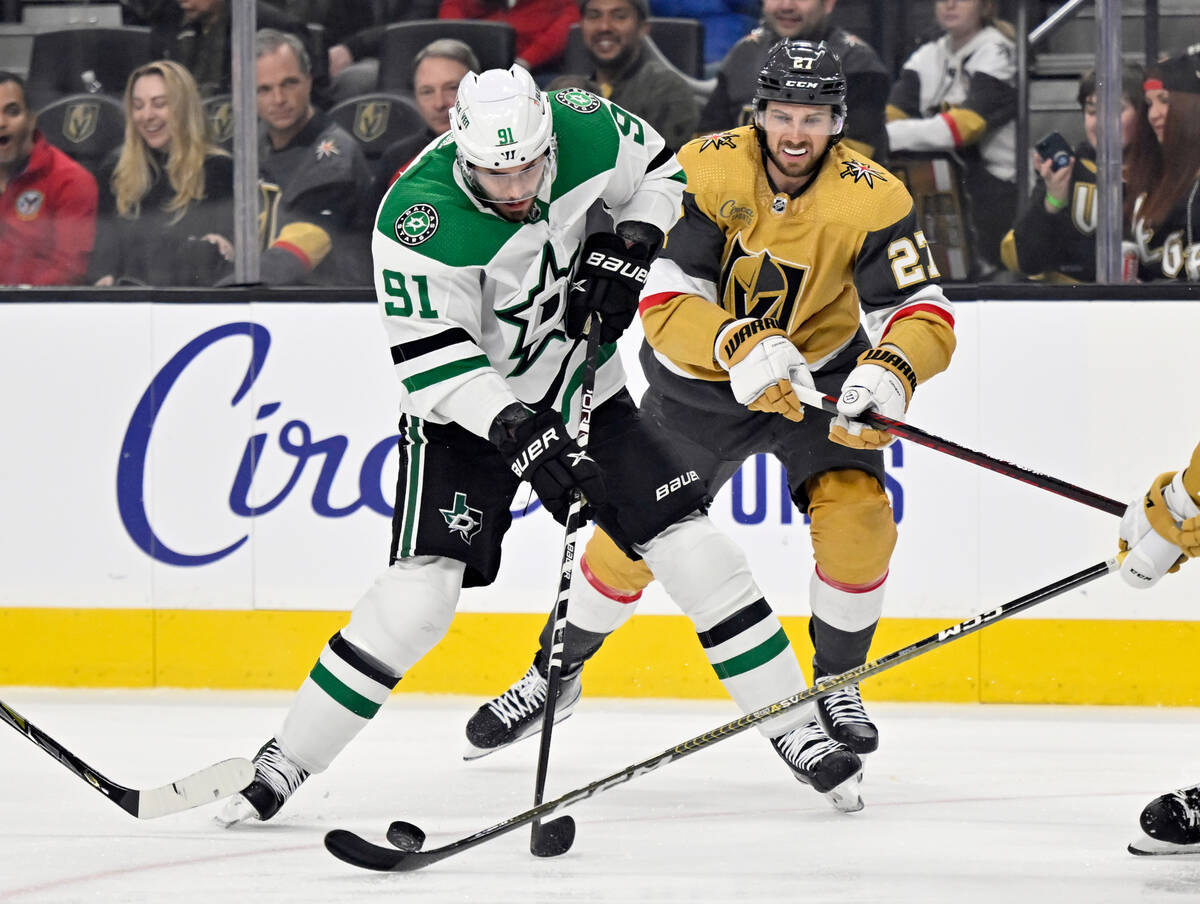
[[1159, 532], [796, 260]]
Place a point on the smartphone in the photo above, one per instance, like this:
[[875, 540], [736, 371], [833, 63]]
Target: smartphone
[[1056, 149]]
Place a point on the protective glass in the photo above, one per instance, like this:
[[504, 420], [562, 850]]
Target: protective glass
[[794, 118]]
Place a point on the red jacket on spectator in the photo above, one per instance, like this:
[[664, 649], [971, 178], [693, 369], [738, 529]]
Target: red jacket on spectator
[[541, 25], [47, 220]]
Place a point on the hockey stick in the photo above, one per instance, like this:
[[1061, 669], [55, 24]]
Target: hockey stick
[[209, 784], [407, 839], [556, 837], [898, 428]]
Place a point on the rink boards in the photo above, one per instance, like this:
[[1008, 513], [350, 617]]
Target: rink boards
[[195, 494]]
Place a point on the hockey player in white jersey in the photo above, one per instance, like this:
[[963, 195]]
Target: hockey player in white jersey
[[485, 281], [1159, 532]]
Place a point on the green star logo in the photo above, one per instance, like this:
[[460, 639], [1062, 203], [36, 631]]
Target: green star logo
[[578, 100], [461, 519], [538, 316]]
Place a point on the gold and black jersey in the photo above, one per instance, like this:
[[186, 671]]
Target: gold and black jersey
[[845, 251]]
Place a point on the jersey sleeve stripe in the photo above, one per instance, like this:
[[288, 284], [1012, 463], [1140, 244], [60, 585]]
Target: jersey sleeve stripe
[[908, 310], [954, 132], [667, 279], [408, 351], [424, 379], [653, 301]]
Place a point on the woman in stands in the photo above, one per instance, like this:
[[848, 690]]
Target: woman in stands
[[1056, 238], [1166, 221], [166, 195], [957, 95]]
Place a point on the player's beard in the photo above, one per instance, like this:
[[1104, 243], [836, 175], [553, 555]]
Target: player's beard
[[796, 169]]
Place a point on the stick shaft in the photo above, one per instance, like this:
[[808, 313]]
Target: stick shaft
[[1008, 469]]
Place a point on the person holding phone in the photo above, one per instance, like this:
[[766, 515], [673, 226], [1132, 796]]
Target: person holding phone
[[1055, 239]]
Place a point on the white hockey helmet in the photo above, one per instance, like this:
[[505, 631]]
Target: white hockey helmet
[[501, 120]]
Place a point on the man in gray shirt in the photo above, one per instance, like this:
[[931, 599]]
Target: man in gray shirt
[[628, 73], [867, 79]]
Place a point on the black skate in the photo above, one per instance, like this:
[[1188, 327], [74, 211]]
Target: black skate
[[832, 768], [275, 780], [844, 719], [1171, 823], [517, 713]]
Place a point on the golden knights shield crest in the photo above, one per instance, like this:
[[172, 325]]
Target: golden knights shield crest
[[220, 120], [79, 121], [371, 119]]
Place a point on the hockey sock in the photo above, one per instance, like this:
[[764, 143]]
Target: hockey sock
[[843, 622], [751, 654], [340, 695]]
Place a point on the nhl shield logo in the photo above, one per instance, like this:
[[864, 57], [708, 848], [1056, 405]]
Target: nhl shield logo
[[79, 121], [220, 121], [371, 119]]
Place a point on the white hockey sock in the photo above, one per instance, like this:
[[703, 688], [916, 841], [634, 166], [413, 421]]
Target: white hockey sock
[[340, 695], [752, 656]]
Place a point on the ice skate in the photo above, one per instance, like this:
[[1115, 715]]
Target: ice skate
[[844, 719], [1171, 824], [275, 780], [517, 713], [832, 768]]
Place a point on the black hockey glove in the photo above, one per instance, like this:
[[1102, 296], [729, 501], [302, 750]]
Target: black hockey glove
[[538, 448], [608, 281]]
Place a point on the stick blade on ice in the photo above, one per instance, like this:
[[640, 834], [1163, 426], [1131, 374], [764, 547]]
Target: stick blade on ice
[[210, 784]]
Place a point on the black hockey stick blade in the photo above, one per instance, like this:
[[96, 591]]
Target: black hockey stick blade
[[553, 838], [357, 851], [210, 784], [916, 435]]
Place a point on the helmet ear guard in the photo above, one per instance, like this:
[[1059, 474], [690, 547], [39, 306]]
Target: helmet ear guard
[[802, 72]]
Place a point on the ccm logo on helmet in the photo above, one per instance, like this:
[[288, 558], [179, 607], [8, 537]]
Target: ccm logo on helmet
[[615, 265], [793, 83]]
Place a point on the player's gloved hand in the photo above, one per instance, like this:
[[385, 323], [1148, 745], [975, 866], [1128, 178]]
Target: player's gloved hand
[[762, 362], [883, 382], [607, 280], [1159, 531], [538, 448]]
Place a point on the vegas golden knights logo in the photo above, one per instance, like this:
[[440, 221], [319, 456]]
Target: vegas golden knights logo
[[371, 119], [79, 121], [220, 121], [760, 285]]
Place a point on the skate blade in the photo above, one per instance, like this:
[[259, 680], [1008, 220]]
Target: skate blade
[[235, 810], [1145, 846], [847, 797]]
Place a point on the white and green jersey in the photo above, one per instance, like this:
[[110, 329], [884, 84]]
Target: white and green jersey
[[474, 305]]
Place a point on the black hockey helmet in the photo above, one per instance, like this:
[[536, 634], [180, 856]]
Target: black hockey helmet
[[802, 72]]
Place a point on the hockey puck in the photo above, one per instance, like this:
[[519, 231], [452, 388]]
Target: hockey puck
[[405, 836]]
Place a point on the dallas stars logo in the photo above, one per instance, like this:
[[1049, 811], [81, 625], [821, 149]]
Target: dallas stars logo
[[577, 99], [461, 519], [720, 140], [537, 317], [416, 224], [862, 172]]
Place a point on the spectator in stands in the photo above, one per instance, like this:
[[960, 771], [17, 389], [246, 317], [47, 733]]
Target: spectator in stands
[[724, 21], [957, 94], [354, 58], [629, 75], [314, 181], [1056, 238], [867, 80], [437, 70], [196, 33], [1166, 223], [47, 200], [166, 208], [541, 26]]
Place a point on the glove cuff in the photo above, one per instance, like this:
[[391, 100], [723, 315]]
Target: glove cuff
[[891, 359], [1159, 513], [503, 432], [736, 339]]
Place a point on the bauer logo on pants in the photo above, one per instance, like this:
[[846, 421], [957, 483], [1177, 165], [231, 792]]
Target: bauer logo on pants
[[416, 224]]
